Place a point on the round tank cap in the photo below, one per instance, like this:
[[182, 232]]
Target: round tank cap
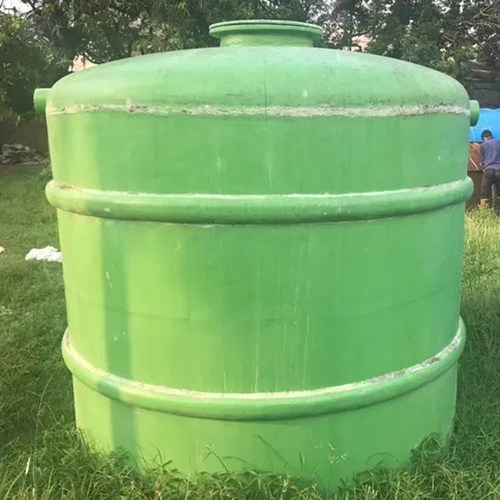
[[266, 32]]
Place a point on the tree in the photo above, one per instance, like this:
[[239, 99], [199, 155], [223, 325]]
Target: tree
[[344, 22], [105, 30], [27, 61], [100, 30], [409, 30], [442, 34], [482, 26]]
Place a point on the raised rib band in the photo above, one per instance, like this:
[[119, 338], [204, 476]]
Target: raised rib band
[[256, 209], [264, 405]]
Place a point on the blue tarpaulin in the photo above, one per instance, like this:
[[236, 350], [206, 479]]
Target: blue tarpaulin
[[489, 119]]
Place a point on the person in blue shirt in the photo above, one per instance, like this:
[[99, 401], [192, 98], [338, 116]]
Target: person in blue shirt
[[490, 161]]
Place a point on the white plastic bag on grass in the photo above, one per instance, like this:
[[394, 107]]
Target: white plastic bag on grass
[[49, 254]]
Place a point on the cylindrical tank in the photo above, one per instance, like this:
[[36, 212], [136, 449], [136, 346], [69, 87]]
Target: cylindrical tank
[[262, 249]]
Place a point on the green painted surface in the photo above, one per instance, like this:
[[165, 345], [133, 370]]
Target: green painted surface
[[262, 253], [40, 101], [474, 112]]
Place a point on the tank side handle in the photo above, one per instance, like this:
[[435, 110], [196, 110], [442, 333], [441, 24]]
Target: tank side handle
[[40, 101], [474, 113]]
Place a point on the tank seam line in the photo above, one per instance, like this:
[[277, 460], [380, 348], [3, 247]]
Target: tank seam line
[[273, 111]]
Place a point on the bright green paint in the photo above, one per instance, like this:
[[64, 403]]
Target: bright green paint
[[40, 101], [268, 33], [262, 253], [474, 112]]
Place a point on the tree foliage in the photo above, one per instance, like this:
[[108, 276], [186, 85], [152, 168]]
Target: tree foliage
[[437, 33], [442, 34], [27, 61], [344, 22], [104, 30]]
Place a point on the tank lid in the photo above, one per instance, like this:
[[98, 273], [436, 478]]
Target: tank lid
[[266, 32]]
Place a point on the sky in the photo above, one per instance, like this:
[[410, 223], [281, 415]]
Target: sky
[[14, 3]]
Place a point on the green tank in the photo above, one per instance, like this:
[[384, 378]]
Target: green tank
[[262, 250]]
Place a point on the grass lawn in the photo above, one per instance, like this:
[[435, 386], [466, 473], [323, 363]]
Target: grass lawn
[[41, 456]]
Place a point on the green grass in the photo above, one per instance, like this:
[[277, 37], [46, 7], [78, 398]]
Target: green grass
[[41, 456]]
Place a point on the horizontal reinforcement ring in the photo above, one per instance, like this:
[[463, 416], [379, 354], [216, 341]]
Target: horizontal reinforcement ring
[[256, 209], [268, 405]]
